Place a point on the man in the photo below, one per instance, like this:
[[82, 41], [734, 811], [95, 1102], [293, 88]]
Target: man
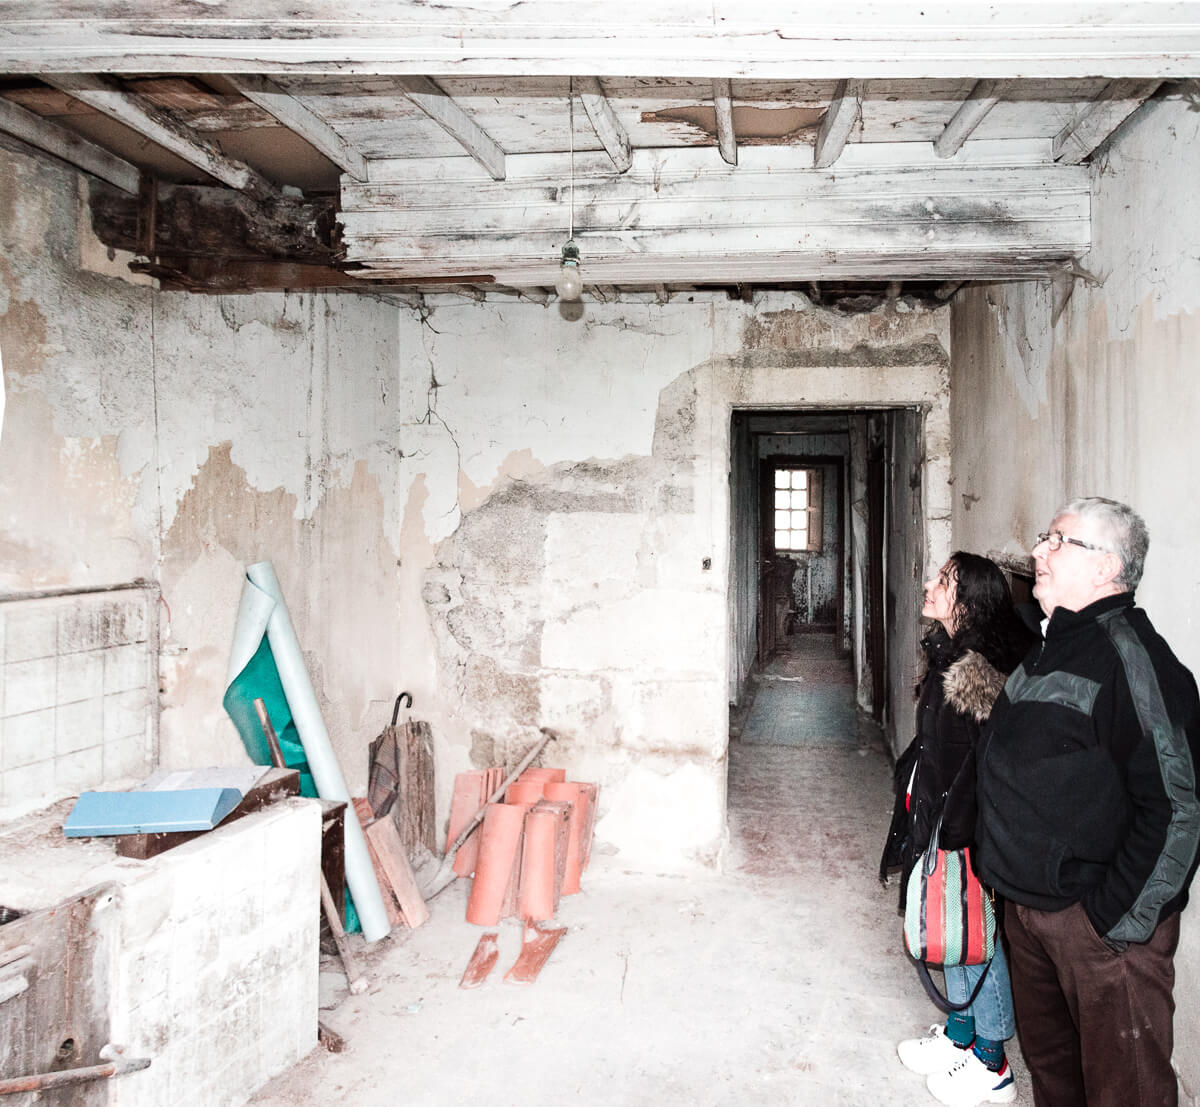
[[1089, 820]]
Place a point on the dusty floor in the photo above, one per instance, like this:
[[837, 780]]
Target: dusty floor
[[779, 981]]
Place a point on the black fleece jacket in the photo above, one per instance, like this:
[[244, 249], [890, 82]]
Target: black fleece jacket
[[1087, 774], [956, 695]]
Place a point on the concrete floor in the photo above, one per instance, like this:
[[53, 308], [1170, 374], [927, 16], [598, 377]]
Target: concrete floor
[[780, 980]]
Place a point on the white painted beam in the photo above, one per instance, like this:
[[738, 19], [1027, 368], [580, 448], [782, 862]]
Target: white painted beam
[[682, 216], [971, 112], [605, 123], [70, 147], [769, 39], [456, 123], [296, 117], [844, 110], [106, 96], [1097, 120], [726, 136]]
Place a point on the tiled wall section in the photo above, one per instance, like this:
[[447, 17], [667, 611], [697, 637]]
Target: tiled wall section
[[78, 698]]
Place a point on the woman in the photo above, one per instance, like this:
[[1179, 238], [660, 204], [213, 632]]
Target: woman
[[975, 642]]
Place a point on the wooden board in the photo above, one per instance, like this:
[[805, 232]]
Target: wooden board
[[363, 809], [1057, 38], [393, 858]]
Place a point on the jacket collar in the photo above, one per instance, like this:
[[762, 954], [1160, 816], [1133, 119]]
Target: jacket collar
[[1068, 622]]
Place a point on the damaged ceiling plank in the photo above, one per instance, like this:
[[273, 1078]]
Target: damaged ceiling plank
[[973, 110], [1095, 122], [605, 123], [456, 123], [68, 146], [199, 221], [726, 136], [106, 95], [293, 114]]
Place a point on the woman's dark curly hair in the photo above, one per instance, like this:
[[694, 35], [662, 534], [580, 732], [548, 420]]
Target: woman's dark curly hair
[[984, 618]]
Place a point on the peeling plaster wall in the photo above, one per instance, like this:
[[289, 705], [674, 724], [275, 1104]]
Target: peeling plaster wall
[[177, 438], [566, 482], [1097, 395]]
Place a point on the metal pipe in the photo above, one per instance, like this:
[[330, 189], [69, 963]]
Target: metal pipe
[[64, 1077]]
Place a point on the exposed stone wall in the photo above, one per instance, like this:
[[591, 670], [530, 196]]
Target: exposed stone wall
[[1092, 389]]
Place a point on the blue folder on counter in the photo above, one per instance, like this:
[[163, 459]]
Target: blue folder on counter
[[97, 814]]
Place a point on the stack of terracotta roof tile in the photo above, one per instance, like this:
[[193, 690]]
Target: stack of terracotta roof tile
[[529, 850]]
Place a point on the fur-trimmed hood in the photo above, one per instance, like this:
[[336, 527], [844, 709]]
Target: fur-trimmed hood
[[972, 684]]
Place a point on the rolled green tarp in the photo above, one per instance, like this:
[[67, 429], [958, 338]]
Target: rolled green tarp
[[265, 640]]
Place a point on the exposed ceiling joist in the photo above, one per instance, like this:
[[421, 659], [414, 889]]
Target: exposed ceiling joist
[[971, 112], [68, 146], [296, 117], [107, 96], [1097, 120], [605, 123], [456, 123], [726, 136], [838, 122], [788, 39]]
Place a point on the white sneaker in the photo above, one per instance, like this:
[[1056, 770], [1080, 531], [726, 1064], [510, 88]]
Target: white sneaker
[[971, 1082], [933, 1053]]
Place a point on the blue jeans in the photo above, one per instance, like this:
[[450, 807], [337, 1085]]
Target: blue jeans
[[993, 1007]]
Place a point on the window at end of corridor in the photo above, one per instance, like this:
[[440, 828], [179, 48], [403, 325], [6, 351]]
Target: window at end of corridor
[[797, 510]]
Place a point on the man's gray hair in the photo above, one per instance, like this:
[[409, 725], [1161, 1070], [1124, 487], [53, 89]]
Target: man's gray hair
[[1120, 528]]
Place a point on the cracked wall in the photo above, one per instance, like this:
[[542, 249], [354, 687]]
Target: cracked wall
[[1092, 390], [568, 483]]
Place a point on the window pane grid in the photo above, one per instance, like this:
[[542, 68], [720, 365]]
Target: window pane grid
[[791, 510]]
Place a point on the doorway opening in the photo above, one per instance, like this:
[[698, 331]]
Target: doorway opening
[[827, 536]]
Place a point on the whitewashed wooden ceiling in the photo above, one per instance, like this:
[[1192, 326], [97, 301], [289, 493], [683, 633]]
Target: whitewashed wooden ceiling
[[680, 145]]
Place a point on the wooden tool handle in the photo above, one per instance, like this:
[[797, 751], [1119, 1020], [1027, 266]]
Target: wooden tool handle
[[477, 818], [358, 983]]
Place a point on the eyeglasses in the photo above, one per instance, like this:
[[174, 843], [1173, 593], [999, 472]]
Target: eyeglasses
[[1055, 538]]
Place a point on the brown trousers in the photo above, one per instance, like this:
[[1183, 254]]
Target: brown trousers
[[1095, 1025]]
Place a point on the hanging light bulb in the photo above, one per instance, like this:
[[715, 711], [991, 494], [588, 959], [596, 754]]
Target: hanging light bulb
[[569, 282]]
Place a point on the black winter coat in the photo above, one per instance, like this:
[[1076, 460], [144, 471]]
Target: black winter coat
[[956, 697], [1088, 783]]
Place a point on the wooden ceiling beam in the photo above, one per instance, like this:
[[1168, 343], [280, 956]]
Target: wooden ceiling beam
[[683, 215], [605, 123], [267, 95], [70, 147], [971, 112], [1097, 120], [723, 104], [448, 115], [106, 95], [767, 39], [843, 112]]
